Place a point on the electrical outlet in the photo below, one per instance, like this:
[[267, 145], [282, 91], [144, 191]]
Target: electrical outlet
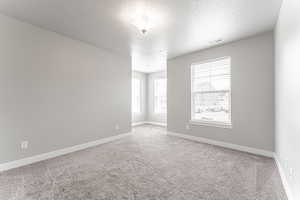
[[187, 127], [24, 144], [286, 161], [117, 127], [291, 172]]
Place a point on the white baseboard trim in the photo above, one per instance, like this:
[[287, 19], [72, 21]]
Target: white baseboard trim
[[244, 149], [149, 122], [52, 154], [138, 123], [283, 178], [225, 144], [156, 123]]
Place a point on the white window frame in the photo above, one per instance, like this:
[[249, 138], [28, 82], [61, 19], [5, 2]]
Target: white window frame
[[154, 102], [140, 96], [194, 121]]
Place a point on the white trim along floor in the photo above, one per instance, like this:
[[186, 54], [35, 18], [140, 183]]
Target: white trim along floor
[[145, 163]]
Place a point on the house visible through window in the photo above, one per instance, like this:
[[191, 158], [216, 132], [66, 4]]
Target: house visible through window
[[136, 95], [211, 92], [160, 96]]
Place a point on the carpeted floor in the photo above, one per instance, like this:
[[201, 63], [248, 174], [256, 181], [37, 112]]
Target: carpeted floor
[[149, 165]]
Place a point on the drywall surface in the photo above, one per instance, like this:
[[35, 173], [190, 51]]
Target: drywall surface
[[152, 116], [252, 87], [57, 92], [142, 116], [287, 70]]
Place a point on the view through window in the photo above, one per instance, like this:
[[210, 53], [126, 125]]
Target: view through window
[[211, 92], [136, 95], [160, 96]]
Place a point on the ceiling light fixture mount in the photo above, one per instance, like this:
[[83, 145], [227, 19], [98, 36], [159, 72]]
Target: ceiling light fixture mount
[[142, 23], [144, 15], [143, 31]]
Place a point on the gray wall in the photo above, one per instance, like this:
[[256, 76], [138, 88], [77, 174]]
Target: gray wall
[[57, 92], [141, 117], [152, 116], [288, 92], [252, 68]]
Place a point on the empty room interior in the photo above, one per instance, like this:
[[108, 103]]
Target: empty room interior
[[149, 100]]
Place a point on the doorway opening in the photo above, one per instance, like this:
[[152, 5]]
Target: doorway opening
[[149, 98]]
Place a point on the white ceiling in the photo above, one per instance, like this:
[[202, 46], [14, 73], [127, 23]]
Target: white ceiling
[[179, 26]]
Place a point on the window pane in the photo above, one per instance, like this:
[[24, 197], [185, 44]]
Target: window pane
[[136, 95], [213, 83], [220, 82], [212, 106], [211, 68], [160, 96], [201, 84], [211, 91]]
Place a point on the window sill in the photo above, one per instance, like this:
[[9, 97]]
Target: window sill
[[212, 124]]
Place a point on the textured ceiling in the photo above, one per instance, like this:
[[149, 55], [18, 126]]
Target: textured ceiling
[[179, 26]]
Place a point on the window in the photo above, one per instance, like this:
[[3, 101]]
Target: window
[[136, 95], [211, 92], [160, 96]]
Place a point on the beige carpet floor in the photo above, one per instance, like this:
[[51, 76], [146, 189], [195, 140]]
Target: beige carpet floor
[[148, 165]]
